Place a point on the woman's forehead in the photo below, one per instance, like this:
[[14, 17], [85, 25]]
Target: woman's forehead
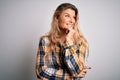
[[68, 11]]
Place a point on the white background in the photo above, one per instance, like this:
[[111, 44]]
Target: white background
[[22, 22]]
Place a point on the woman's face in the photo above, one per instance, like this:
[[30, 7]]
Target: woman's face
[[66, 19]]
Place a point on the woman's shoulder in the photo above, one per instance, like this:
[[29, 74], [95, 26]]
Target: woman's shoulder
[[44, 39]]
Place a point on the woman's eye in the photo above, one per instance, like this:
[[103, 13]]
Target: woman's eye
[[66, 15]]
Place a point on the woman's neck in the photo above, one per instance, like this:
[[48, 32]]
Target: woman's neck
[[62, 36]]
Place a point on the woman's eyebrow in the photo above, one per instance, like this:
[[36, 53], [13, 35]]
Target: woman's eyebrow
[[69, 13]]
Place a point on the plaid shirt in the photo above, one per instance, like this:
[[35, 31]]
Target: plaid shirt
[[64, 63]]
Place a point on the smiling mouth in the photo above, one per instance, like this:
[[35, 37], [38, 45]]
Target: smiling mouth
[[69, 25]]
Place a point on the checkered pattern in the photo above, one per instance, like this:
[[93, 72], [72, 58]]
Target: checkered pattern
[[64, 63]]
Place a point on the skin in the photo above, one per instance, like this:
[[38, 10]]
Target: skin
[[66, 23]]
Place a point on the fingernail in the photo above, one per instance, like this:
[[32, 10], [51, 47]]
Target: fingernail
[[89, 67]]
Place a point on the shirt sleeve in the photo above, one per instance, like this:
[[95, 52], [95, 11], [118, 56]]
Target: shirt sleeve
[[44, 71], [73, 57]]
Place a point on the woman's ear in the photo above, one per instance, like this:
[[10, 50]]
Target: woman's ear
[[57, 19]]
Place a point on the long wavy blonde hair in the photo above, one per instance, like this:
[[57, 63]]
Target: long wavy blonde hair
[[54, 34]]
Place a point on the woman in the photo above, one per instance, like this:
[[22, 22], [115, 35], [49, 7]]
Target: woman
[[62, 51]]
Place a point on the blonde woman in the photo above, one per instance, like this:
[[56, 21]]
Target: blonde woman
[[61, 53]]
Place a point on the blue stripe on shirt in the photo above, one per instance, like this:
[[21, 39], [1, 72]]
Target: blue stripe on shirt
[[56, 66]]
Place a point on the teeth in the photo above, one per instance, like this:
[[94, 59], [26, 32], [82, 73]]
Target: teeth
[[70, 25]]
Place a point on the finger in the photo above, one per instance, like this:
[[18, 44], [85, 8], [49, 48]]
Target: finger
[[84, 71], [67, 31], [87, 67], [82, 75]]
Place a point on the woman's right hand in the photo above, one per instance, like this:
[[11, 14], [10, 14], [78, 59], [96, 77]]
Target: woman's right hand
[[83, 72], [70, 33]]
